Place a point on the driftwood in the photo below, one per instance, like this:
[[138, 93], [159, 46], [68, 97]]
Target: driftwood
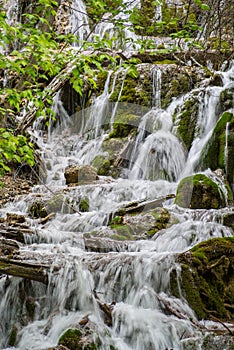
[[35, 272], [106, 309], [140, 206]]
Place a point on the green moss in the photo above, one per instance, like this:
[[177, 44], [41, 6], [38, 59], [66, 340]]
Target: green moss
[[213, 280], [185, 120], [102, 164], [190, 290], [207, 277], [199, 192], [84, 204], [162, 218], [219, 150], [123, 125], [165, 61], [123, 230], [135, 90], [70, 338], [116, 221]]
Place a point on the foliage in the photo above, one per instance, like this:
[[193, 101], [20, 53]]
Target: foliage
[[14, 149]]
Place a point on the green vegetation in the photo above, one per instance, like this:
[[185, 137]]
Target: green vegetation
[[14, 150]]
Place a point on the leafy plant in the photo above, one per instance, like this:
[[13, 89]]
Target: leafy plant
[[14, 149]]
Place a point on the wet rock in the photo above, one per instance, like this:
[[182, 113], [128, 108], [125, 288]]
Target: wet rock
[[76, 174], [199, 192], [219, 150], [207, 278], [226, 99], [185, 119], [228, 220], [125, 229]]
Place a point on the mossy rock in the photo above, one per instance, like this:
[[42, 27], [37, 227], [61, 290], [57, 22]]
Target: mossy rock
[[124, 125], [59, 202], [135, 91], [199, 192], [162, 217], [72, 339], [226, 99], [102, 164], [219, 150], [185, 119], [113, 146], [228, 219], [207, 278]]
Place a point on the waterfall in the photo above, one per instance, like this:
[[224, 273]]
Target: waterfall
[[107, 257], [157, 75]]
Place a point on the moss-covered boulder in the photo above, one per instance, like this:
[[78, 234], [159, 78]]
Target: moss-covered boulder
[[199, 192], [185, 119], [207, 278], [219, 150], [74, 339], [75, 174]]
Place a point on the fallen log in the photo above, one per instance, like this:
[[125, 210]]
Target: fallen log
[[140, 206], [35, 272]]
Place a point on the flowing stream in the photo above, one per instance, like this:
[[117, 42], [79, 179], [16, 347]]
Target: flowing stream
[[135, 280]]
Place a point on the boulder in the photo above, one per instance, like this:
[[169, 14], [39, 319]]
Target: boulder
[[206, 278], [75, 174], [228, 220], [199, 192]]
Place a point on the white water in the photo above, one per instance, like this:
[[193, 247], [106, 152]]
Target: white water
[[137, 279]]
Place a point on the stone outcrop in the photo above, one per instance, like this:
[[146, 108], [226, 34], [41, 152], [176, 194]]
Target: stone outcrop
[[199, 192]]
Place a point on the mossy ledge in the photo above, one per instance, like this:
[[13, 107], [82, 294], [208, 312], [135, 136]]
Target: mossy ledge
[[207, 278]]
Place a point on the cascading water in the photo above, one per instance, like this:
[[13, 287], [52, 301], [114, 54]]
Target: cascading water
[[135, 280]]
